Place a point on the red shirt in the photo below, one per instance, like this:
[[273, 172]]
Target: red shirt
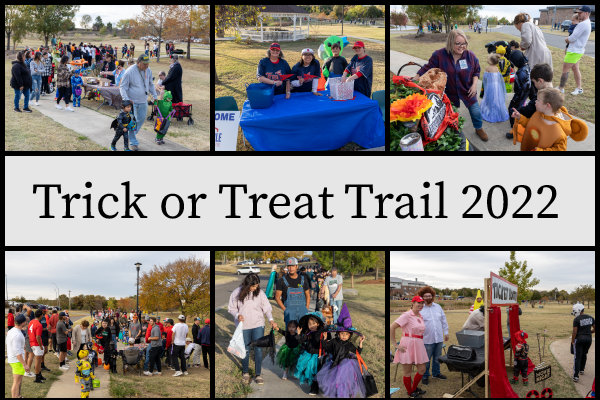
[[34, 329], [53, 322], [169, 331], [162, 327], [148, 331], [11, 319]]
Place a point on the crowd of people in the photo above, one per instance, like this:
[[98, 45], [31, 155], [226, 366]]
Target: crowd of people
[[305, 332], [34, 333]]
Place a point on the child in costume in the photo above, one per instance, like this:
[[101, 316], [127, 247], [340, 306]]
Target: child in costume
[[521, 364], [341, 376], [84, 374], [166, 107], [550, 125], [270, 292], [289, 352], [112, 357], [522, 81], [312, 327], [503, 63], [76, 84], [122, 125], [493, 103]]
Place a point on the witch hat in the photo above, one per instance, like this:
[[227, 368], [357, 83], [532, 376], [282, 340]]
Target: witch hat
[[303, 323], [344, 322], [266, 341]]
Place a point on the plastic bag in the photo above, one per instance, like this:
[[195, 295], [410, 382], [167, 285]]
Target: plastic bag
[[237, 346]]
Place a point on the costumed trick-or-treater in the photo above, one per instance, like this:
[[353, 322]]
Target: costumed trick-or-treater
[[84, 374], [270, 292], [166, 108], [360, 70], [76, 87], [478, 302], [550, 126], [272, 70], [307, 72], [110, 357], [503, 63], [521, 363], [290, 350], [522, 82], [124, 123], [584, 326], [341, 376], [411, 348], [312, 326]]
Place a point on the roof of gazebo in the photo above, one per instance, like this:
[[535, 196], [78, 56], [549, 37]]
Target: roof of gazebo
[[282, 10]]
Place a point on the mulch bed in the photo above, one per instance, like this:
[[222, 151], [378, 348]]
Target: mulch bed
[[428, 38]]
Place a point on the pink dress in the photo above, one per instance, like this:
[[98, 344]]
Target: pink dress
[[415, 348]]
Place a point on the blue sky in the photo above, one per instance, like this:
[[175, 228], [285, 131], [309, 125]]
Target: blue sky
[[106, 273], [455, 269], [508, 11]]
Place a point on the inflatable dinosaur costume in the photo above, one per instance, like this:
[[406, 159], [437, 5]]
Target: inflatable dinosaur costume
[[165, 106]]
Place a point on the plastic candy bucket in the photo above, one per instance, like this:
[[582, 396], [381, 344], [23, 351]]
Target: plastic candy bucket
[[260, 95]]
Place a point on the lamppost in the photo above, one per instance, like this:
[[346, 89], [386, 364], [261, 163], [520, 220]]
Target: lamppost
[[137, 298], [56, 301], [58, 295]]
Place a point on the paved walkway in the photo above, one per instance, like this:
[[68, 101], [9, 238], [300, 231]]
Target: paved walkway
[[496, 131], [96, 126], [560, 349]]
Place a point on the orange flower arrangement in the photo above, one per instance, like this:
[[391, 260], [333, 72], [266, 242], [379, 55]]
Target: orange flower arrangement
[[410, 108]]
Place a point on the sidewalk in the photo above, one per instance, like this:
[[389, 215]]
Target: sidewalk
[[496, 131], [274, 386], [560, 349], [96, 126]]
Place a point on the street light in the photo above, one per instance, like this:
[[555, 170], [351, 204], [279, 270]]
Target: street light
[[58, 296], [137, 298]]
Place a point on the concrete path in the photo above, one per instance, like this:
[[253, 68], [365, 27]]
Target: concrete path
[[274, 386], [560, 349], [96, 126], [496, 131]]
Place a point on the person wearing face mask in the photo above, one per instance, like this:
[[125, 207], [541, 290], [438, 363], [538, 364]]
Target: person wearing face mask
[[411, 348], [436, 331]]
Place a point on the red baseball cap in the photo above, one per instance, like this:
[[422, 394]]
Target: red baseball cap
[[275, 46], [358, 44], [418, 299]]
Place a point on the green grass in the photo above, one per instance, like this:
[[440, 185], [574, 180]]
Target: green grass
[[582, 106], [368, 318], [555, 317], [236, 65], [223, 279]]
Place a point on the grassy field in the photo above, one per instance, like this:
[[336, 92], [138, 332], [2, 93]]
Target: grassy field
[[582, 106], [368, 317], [236, 66], [223, 279], [325, 29], [23, 132], [558, 320]]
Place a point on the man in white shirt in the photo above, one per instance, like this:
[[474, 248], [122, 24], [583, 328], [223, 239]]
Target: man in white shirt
[[577, 42], [180, 331], [15, 343], [435, 326]]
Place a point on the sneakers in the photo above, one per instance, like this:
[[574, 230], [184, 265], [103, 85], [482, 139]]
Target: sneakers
[[577, 91], [259, 380], [30, 374], [425, 381], [158, 141], [16, 110], [246, 378], [284, 377], [64, 367], [575, 379], [69, 109], [440, 376], [37, 104], [178, 373], [509, 135], [419, 391], [113, 148], [162, 141], [134, 148], [147, 373], [45, 369], [186, 373], [580, 372], [38, 381], [60, 108], [157, 373], [562, 90], [126, 149]]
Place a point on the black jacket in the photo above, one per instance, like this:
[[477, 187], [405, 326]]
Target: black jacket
[[195, 330], [172, 83], [21, 76], [76, 53]]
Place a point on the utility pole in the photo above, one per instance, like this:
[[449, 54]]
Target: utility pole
[[553, 18], [69, 299]]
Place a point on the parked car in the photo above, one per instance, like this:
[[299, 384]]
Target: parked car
[[565, 25], [248, 270], [241, 263]]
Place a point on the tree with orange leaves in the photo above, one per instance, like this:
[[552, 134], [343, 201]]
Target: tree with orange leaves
[[190, 21], [182, 284], [154, 18]]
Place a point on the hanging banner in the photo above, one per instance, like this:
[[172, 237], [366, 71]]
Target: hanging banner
[[503, 292], [226, 130]]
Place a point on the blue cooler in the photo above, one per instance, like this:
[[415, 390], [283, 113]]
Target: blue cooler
[[260, 95]]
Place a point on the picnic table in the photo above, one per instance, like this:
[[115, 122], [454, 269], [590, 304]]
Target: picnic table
[[308, 122]]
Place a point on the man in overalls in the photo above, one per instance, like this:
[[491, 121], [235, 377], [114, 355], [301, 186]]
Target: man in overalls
[[293, 293]]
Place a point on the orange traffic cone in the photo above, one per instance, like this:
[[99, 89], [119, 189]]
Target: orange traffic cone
[[322, 82]]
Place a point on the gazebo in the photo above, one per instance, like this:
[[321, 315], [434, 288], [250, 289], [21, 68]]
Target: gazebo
[[293, 12]]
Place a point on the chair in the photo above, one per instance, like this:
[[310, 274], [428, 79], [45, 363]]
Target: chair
[[380, 97], [131, 358], [226, 103], [188, 357]]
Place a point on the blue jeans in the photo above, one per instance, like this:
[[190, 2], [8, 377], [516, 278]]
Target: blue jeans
[[147, 362], [36, 88], [434, 349], [76, 58], [250, 335], [18, 97], [336, 314], [475, 113], [140, 110], [114, 339]]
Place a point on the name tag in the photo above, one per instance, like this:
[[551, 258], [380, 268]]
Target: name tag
[[463, 64]]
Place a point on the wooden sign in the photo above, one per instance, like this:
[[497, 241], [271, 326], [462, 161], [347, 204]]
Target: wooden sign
[[503, 292]]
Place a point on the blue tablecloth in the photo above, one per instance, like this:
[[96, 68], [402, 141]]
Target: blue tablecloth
[[309, 122]]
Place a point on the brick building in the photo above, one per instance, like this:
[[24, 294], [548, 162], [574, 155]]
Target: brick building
[[563, 13], [404, 288]]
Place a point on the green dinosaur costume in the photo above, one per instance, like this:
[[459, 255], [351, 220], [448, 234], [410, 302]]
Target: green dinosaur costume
[[166, 107], [328, 53]]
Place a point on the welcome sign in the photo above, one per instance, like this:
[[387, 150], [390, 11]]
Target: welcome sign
[[503, 292], [226, 130]]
